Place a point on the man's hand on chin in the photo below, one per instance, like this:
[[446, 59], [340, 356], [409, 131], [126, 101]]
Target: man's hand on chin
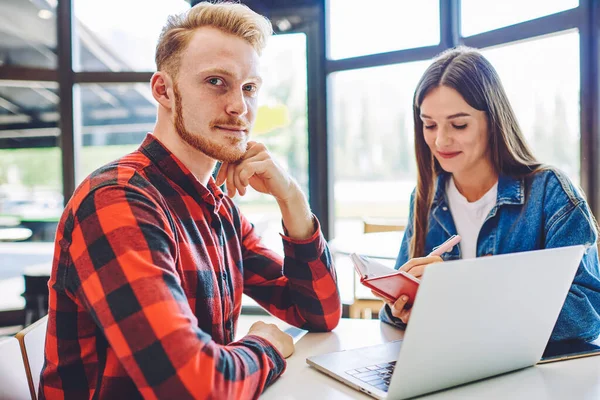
[[260, 171]]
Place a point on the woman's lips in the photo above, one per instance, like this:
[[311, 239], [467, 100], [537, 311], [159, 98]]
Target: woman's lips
[[448, 155]]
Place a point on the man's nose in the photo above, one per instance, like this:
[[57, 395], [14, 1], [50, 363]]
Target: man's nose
[[236, 104]]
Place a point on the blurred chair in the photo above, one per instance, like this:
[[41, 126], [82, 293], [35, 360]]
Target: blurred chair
[[367, 308], [36, 297], [32, 340], [14, 384], [373, 224], [36, 291]]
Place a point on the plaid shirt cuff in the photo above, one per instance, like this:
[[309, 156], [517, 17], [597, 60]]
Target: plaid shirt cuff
[[305, 250], [265, 347]]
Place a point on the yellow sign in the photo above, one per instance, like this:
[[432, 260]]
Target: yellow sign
[[271, 117]]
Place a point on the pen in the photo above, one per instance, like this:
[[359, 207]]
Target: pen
[[446, 246]]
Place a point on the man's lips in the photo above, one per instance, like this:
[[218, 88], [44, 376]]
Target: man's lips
[[448, 154], [232, 128]]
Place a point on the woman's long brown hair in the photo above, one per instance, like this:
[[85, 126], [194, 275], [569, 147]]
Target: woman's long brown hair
[[470, 74]]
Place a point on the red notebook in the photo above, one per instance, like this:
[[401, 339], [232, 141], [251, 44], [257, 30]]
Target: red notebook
[[386, 282]]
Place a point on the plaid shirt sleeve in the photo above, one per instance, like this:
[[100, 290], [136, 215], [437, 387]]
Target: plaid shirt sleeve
[[124, 275], [304, 292]]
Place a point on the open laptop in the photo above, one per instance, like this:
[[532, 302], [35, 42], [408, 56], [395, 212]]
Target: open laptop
[[471, 319]]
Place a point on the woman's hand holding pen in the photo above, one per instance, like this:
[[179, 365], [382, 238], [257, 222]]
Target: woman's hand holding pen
[[416, 266]]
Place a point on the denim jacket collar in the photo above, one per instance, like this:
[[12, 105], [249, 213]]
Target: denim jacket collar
[[510, 191]]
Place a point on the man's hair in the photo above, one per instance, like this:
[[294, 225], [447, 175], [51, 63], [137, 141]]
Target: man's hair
[[235, 19]]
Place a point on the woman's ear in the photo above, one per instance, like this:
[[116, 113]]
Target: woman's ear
[[162, 84]]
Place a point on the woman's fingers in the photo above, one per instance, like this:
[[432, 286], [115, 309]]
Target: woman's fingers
[[417, 272], [404, 315], [398, 307], [417, 261]]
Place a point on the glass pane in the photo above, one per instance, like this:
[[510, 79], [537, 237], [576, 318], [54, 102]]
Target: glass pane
[[31, 200], [374, 162], [114, 119], [373, 140], [28, 33], [123, 40], [486, 15], [281, 125], [359, 28], [547, 108]]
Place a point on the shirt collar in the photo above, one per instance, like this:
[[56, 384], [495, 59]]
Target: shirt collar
[[177, 172]]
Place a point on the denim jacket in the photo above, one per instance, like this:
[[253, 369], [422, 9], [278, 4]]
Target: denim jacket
[[544, 210]]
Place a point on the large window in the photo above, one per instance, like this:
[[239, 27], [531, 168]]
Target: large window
[[371, 112]]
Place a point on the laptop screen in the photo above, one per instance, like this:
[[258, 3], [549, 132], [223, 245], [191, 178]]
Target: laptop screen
[[566, 349]]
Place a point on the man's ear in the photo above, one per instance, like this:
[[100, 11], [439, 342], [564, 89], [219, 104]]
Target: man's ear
[[162, 89]]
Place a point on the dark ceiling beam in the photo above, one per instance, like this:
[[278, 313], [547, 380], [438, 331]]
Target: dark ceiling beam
[[37, 124], [28, 142], [113, 77], [13, 73]]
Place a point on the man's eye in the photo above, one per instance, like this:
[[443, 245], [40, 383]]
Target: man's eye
[[250, 88], [216, 81]]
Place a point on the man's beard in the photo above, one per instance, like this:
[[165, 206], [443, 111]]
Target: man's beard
[[225, 153]]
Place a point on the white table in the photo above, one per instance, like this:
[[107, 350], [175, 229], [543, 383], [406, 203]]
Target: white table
[[574, 379], [384, 245]]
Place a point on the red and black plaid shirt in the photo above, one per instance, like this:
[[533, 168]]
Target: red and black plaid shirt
[[145, 292]]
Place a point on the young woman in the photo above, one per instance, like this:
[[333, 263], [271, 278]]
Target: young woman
[[478, 178]]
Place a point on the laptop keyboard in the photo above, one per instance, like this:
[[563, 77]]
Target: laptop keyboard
[[378, 375]]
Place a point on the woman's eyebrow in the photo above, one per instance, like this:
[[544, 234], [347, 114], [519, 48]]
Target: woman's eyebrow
[[457, 115]]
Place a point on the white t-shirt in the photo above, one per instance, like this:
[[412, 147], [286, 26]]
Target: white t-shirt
[[469, 217]]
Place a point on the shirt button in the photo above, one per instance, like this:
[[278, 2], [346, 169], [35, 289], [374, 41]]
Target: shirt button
[[445, 208]]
